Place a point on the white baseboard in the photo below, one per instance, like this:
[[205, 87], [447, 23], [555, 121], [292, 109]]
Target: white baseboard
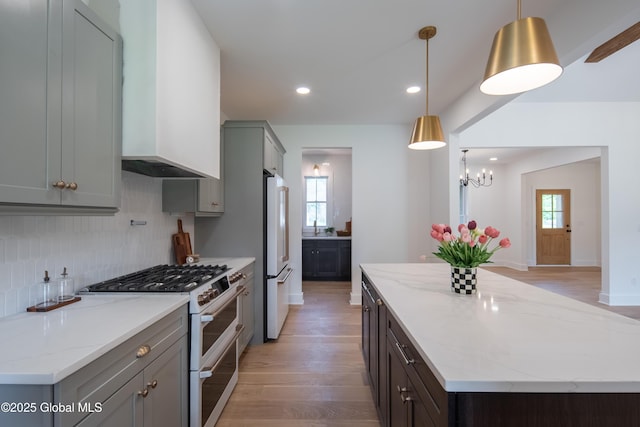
[[617, 300], [356, 299], [296, 299]]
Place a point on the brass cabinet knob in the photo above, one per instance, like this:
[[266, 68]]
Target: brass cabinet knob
[[60, 185], [143, 351], [72, 186], [153, 384], [144, 392]]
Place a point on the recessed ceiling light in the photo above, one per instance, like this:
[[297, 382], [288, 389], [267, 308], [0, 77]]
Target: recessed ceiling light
[[413, 89], [303, 90], [493, 159]]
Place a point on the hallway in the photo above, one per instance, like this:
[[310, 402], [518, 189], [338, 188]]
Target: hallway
[[313, 376]]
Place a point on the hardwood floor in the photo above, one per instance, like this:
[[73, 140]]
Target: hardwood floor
[[313, 375]]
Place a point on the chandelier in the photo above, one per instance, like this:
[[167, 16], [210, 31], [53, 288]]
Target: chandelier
[[481, 179]]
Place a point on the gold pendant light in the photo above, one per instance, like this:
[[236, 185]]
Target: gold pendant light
[[522, 58], [427, 131]]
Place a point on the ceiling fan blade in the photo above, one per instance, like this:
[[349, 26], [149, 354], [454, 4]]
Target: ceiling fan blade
[[613, 45]]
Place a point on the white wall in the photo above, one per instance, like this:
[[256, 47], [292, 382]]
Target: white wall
[[92, 248], [509, 204], [612, 127], [340, 181], [380, 196]]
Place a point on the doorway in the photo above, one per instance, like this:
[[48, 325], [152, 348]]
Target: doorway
[[326, 214], [553, 227]]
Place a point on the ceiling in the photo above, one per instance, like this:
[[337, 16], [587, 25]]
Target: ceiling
[[359, 56]]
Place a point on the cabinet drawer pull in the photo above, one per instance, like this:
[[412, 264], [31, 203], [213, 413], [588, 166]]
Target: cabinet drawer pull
[[144, 392], [60, 185], [366, 309], [379, 302], [143, 351], [72, 186], [153, 384], [401, 348], [402, 391]]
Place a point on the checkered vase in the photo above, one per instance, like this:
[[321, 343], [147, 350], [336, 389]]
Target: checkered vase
[[463, 280]]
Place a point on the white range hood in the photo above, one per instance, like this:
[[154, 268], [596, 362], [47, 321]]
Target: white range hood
[[171, 91]]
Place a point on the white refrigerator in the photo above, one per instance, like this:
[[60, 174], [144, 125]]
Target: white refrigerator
[[277, 265]]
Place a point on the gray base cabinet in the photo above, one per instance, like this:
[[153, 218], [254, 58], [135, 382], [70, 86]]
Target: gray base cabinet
[[326, 259], [149, 398], [60, 109], [146, 378], [143, 382], [247, 308]]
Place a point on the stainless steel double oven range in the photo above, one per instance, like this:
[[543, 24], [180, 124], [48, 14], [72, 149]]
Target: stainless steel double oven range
[[214, 328]]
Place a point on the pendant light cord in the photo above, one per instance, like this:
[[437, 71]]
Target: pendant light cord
[[426, 87], [519, 9]]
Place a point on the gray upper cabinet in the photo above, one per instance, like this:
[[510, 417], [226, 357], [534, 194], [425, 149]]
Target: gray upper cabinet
[[60, 109], [204, 197], [273, 155]]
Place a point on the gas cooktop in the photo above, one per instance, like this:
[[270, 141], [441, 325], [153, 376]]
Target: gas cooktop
[[161, 278]]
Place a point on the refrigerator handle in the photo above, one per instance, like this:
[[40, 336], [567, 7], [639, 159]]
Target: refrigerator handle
[[290, 270], [285, 195]]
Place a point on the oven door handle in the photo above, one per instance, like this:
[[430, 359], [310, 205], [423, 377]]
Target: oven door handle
[[239, 290], [208, 372], [206, 318]]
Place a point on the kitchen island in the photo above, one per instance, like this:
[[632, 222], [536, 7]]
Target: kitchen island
[[512, 354]]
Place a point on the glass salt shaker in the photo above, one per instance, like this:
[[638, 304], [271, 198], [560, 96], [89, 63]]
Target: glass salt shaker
[[65, 287]]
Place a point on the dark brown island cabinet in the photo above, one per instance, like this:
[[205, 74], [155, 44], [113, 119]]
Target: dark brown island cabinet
[[407, 393]]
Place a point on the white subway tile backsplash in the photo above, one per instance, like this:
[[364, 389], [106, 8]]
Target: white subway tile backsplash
[[93, 248]]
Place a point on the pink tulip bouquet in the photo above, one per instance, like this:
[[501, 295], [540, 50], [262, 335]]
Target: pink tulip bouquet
[[470, 248]]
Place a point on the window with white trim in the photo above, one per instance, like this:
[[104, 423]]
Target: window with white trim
[[316, 198]]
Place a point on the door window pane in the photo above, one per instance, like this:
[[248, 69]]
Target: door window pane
[[552, 211]]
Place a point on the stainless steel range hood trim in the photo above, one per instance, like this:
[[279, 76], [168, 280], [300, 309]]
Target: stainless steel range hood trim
[[158, 167]]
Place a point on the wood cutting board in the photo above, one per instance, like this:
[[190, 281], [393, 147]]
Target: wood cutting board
[[180, 248]]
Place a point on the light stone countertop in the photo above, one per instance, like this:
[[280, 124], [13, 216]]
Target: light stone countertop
[[44, 348], [234, 264], [510, 336]]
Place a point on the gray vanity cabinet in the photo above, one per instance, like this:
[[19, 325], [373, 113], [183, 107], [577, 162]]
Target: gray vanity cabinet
[[60, 104]]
